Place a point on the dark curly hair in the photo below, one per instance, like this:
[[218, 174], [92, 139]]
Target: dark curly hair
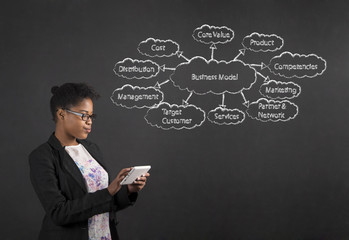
[[69, 95]]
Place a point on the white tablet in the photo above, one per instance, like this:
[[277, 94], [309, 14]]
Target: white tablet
[[134, 174]]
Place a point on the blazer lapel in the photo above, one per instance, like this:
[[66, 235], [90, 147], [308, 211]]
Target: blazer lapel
[[71, 167], [67, 162]]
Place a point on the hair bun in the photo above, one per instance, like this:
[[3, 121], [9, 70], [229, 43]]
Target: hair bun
[[54, 89]]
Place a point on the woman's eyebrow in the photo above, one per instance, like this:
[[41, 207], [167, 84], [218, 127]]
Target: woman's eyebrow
[[83, 111]]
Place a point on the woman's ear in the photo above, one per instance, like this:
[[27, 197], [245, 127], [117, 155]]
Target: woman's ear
[[60, 114]]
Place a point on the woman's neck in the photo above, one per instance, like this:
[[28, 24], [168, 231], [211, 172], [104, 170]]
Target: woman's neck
[[65, 139]]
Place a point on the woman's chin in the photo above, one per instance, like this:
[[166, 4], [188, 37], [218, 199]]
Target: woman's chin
[[83, 136]]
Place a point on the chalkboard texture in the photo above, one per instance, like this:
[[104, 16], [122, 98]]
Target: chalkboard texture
[[240, 107]]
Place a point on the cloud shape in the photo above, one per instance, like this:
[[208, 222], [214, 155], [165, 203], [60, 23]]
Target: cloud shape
[[171, 116], [270, 110], [280, 90], [136, 69], [213, 35], [158, 48], [262, 42], [202, 76], [129, 96], [224, 116], [297, 65]]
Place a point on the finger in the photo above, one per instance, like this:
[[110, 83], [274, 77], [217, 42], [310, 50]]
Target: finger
[[138, 183], [143, 179], [124, 171], [124, 174]]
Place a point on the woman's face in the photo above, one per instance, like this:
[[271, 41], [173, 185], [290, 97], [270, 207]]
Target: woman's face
[[73, 125]]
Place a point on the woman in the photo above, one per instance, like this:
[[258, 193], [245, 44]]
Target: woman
[[70, 177]]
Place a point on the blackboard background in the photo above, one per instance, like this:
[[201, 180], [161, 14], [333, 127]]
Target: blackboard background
[[251, 181]]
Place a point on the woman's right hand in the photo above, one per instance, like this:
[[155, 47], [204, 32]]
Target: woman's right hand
[[115, 185]]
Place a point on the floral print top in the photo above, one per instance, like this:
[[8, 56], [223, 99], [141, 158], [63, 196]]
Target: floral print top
[[96, 178]]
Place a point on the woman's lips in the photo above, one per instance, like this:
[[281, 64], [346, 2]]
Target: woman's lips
[[88, 130]]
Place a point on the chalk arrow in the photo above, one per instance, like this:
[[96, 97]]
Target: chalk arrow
[[222, 105], [255, 65], [246, 103], [266, 79], [262, 65], [180, 54], [185, 102], [163, 68], [212, 47], [158, 85], [241, 52]]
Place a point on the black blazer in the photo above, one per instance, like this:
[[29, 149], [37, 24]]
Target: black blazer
[[62, 192]]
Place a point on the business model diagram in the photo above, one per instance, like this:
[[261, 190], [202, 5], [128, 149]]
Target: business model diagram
[[201, 76]]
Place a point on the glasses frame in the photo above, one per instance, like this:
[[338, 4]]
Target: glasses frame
[[82, 115]]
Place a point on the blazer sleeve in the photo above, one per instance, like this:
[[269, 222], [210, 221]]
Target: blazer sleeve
[[60, 209], [122, 199]]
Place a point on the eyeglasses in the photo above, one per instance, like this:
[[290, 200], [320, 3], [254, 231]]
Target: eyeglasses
[[84, 117]]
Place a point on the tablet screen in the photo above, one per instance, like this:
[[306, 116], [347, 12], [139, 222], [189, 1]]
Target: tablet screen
[[134, 174]]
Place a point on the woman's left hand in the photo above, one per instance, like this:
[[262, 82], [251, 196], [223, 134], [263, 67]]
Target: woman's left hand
[[138, 184]]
